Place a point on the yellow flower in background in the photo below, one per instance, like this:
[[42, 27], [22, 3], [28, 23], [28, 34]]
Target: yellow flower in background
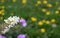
[[57, 3], [2, 0], [3, 14], [24, 1], [48, 13], [43, 10], [45, 2], [38, 2], [33, 19], [44, 21], [2, 11], [42, 30], [40, 23], [47, 22], [14, 0], [53, 20], [57, 12], [49, 5]]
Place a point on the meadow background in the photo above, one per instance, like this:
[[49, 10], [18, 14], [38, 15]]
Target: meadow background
[[42, 16]]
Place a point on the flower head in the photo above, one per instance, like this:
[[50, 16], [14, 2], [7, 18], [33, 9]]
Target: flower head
[[11, 20], [24, 1], [1, 36], [23, 22], [33, 19], [21, 36], [42, 30]]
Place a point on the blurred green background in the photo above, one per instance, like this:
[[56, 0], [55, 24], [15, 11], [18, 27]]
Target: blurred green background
[[42, 16]]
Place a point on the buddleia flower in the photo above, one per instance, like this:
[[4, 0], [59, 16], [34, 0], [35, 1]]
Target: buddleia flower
[[11, 21]]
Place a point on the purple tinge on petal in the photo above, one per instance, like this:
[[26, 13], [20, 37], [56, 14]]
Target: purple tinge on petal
[[1, 36], [23, 22], [21, 36]]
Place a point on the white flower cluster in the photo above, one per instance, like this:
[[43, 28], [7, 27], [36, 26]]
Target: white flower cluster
[[11, 21]]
